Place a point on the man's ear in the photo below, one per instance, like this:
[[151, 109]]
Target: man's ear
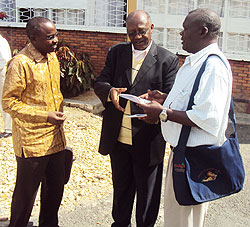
[[204, 31], [32, 38]]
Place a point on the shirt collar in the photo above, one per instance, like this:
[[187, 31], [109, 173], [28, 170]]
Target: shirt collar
[[194, 58], [37, 56], [139, 54]]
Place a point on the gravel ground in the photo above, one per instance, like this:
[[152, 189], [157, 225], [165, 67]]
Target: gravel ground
[[87, 199], [91, 173], [231, 211]]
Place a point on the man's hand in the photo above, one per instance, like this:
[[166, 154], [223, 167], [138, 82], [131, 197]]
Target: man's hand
[[155, 95], [152, 110], [56, 118], [114, 95]]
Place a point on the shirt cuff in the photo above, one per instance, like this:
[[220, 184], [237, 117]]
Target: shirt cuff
[[42, 117]]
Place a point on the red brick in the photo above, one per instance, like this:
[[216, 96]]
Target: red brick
[[96, 44]]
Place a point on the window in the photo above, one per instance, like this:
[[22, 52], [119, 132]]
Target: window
[[24, 14], [168, 16], [238, 43], [9, 7], [68, 16], [180, 7], [239, 8], [152, 6], [217, 5], [81, 13]]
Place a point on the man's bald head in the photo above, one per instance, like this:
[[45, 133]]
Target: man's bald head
[[34, 25], [138, 15]]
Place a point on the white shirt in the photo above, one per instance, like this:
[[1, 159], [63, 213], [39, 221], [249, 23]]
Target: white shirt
[[5, 56], [211, 102], [140, 54]]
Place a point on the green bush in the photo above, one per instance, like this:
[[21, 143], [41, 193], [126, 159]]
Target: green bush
[[77, 72]]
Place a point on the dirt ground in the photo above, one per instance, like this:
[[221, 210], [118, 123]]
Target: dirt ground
[[231, 211], [243, 132]]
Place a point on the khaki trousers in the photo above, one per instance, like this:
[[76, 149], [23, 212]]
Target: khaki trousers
[[176, 215]]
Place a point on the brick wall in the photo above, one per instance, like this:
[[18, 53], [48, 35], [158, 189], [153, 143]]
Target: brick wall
[[96, 45], [241, 79]]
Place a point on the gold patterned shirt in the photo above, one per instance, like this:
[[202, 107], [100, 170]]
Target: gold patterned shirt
[[31, 90]]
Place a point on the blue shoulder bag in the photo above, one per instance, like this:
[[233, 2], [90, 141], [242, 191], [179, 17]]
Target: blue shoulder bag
[[207, 172]]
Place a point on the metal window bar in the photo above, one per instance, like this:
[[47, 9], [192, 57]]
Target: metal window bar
[[100, 13], [168, 15]]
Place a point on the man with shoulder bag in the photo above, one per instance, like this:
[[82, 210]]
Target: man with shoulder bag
[[196, 112]]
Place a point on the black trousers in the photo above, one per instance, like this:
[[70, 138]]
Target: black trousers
[[130, 179], [50, 170]]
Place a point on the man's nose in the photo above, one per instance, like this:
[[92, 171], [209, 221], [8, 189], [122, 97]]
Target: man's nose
[[55, 39], [138, 35]]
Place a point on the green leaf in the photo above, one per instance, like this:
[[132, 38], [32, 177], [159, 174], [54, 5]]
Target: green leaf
[[71, 71], [92, 76], [76, 71]]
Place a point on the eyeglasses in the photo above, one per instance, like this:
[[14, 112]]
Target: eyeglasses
[[51, 37], [141, 33]]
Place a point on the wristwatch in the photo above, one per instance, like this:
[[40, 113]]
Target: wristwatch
[[164, 115]]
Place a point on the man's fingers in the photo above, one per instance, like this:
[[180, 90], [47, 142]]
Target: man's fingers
[[114, 92], [117, 106], [143, 106], [144, 96], [56, 118], [59, 114], [148, 120], [122, 90]]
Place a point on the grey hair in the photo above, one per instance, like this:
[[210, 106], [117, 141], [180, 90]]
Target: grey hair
[[208, 18], [132, 14]]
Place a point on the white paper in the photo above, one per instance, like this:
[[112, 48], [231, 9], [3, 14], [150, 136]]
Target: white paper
[[136, 115], [134, 98]]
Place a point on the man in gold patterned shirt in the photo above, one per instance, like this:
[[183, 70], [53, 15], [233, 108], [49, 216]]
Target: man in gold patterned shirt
[[32, 97]]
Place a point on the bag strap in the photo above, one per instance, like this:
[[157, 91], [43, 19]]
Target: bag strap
[[185, 131]]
